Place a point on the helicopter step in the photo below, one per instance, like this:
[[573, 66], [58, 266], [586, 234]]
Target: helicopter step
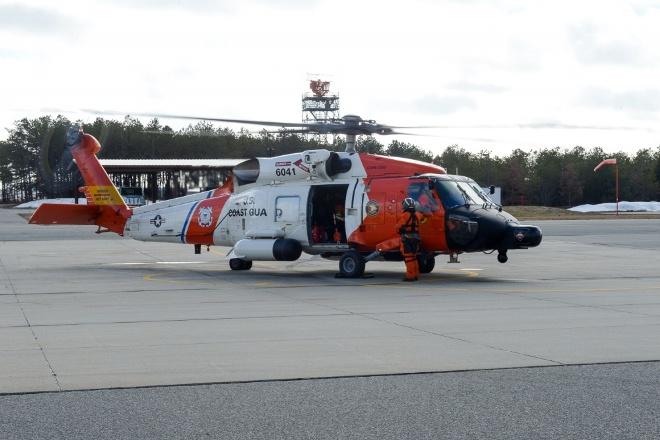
[[328, 249]]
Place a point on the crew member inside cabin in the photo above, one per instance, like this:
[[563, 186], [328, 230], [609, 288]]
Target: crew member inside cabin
[[328, 219], [339, 234], [323, 218]]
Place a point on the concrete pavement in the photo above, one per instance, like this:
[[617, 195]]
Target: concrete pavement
[[80, 311]]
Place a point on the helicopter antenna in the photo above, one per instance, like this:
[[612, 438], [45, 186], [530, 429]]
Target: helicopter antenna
[[350, 143]]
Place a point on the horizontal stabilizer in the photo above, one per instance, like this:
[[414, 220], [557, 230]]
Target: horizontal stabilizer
[[65, 214]]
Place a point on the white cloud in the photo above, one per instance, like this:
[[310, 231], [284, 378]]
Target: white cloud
[[439, 105], [468, 86], [33, 20], [508, 63], [629, 101]]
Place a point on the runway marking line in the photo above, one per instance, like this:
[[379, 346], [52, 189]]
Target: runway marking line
[[157, 262]]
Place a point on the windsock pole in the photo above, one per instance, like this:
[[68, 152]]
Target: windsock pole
[[616, 176], [616, 171]]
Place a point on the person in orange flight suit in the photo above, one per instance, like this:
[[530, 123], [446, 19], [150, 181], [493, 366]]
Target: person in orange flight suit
[[408, 227], [408, 240]]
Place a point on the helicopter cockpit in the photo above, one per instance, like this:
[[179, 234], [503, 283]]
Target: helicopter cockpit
[[475, 222]]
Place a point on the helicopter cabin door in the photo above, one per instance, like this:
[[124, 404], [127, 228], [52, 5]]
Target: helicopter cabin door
[[288, 213], [326, 215]]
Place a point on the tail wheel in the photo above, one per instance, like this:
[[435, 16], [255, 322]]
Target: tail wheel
[[351, 264], [240, 264], [426, 263]]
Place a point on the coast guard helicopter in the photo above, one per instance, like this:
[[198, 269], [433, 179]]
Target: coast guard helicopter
[[340, 205]]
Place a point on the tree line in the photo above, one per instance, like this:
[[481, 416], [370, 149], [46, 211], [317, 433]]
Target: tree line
[[34, 162]]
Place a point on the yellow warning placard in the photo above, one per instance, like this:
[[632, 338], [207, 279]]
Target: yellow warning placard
[[104, 195]]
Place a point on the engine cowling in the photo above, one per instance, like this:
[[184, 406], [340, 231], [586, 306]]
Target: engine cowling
[[318, 164]]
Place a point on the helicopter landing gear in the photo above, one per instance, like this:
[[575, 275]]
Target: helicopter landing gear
[[501, 256], [351, 265], [426, 263], [453, 258], [240, 264]]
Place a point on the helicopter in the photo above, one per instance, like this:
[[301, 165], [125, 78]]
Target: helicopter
[[339, 205]]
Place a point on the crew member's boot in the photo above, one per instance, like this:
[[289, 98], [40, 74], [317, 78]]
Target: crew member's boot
[[412, 267]]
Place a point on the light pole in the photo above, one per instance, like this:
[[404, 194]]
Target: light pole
[[616, 176]]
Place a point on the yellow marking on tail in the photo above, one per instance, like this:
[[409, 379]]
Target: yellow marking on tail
[[104, 195]]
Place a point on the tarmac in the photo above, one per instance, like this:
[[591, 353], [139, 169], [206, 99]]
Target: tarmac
[[80, 311]]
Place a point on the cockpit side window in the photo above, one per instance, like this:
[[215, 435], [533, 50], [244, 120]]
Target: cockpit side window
[[450, 194], [425, 201]]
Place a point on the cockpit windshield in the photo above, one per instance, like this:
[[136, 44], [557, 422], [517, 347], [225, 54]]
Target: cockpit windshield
[[454, 193], [481, 193]]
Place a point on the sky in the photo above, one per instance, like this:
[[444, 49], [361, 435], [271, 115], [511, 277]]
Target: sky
[[504, 73]]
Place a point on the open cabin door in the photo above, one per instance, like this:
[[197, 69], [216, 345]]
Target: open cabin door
[[326, 213]]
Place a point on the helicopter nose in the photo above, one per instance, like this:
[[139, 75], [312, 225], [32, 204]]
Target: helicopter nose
[[488, 229], [522, 237]]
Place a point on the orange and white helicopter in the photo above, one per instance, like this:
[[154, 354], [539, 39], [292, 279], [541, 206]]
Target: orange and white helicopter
[[340, 205]]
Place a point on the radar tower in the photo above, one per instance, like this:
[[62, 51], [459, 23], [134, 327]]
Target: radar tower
[[319, 104]]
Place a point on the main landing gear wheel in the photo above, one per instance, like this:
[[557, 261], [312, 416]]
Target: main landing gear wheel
[[240, 264], [502, 258], [351, 265], [426, 263]]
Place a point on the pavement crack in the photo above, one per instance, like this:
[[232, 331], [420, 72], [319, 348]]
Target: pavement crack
[[442, 335], [455, 338], [27, 322], [141, 252], [152, 321], [572, 304]]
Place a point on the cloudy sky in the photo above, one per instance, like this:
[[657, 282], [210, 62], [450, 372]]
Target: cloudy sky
[[508, 73]]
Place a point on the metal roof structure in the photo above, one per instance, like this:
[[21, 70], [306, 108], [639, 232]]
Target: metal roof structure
[[146, 165]]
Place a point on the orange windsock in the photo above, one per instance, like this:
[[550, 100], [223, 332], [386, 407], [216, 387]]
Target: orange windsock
[[605, 162]]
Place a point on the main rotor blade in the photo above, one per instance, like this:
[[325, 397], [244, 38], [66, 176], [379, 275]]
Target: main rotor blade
[[369, 127], [301, 131], [403, 133], [200, 134], [336, 127], [542, 126], [200, 118], [412, 126]]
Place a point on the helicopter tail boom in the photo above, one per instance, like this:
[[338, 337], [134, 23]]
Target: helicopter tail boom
[[105, 206], [99, 189]]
